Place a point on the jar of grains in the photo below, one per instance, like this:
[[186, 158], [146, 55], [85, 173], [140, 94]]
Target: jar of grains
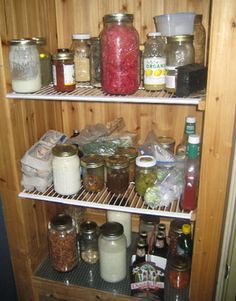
[[93, 172], [179, 272], [117, 174], [131, 153], [62, 243], [120, 54], [89, 242], [112, 252], [66, 169]]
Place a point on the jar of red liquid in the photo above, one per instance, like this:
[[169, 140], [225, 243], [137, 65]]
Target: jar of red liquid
[[63, 69], [179, 272], [120, 55]]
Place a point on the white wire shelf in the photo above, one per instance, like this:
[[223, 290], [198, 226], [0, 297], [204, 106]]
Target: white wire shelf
[[129, 202], [89, 93]]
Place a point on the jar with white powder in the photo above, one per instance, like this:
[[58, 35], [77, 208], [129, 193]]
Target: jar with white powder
[[112, 252]]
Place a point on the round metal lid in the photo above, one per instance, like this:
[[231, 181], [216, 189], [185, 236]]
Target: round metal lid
[[112, 229], [117, 162], [179, 263], [92, 161], [88, 227], [165, 141], [61, 222], [118, 17], [64, 150], [60, 56], [39, 40], [27, 41], [181, 38], [130, 152]]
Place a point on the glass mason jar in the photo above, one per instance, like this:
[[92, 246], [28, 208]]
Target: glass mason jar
[[146, 173], [131, 153], [179, 52], [120, 55], [117, 174], [95, 62], [81, 50], [63, 70], [112, 252], [167, 143], [154, 62], [66, 169], [199, 40], [89, 242], [93, 172], [62, 243], [179, 272], [24, 66], [45, 60]]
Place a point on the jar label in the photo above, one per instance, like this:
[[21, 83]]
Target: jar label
[[69, 75], [170, 81], [82, 69], [54, 75], [154, 71]]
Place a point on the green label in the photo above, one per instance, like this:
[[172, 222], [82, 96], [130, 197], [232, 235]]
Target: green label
[[193, 150], [190, 128]]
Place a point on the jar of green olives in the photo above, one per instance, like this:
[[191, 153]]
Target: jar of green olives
[[146, 174]]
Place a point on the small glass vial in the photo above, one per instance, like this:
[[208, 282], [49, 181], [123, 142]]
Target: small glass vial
[[62, 243], [24, 66], [66, 169], [179, 272], [63, 70], [146, 173], [154, 62], [45, 60], [95, 62], [117, 174], [89, 242], [81, 49], [112, 252], [93, 172], [131, 153]]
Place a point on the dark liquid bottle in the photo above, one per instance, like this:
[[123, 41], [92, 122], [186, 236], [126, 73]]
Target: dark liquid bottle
[[160, 248], [185, 243]]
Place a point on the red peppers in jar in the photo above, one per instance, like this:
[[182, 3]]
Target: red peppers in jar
[[120, 55]]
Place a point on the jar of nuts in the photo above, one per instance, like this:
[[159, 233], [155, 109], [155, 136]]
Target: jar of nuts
[[62, 243]]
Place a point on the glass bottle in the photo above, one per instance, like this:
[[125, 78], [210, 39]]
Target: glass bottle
[[95, 62], [112, 252], [154, 62], [62, 243], [175, 231], [140, 253], [24, 65], [81, 49], [120, 55], [148, 224], [160, 247], [189, 129], [199, 40], [45, 60], [185, 243], [190, 192]]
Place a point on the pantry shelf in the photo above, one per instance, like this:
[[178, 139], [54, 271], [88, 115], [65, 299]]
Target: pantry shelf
[[91, 94], [129, 202]]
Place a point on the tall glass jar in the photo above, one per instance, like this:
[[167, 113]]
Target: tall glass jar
[[81, 49], [66, 169], [24, 66], [179, 272], [62, 243], [45, 60], [112, 252], [131, 153], [95, 62], [154, 62], [120, 55]]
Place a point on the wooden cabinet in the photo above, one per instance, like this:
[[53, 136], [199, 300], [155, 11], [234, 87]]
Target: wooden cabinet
[[23, 121]]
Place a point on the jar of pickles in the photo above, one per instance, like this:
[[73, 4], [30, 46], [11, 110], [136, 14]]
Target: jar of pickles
[[146, 174], [93, 172], [179, 272], [117, 174], [120, 54], [131, 153]]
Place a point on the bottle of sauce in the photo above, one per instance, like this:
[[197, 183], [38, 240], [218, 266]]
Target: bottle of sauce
[[185, 243]]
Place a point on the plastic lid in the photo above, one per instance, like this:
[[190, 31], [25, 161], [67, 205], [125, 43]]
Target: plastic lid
[[145, 161], [64, 150], [81, 36], [186, 228], [194, 139], [112, 229], [154, 34], [190, 119]]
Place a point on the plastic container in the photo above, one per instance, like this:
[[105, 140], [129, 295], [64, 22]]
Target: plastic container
[[175, 24]]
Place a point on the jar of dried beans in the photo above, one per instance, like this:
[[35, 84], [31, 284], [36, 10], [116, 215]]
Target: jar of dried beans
[[62, 243], [120, 54]]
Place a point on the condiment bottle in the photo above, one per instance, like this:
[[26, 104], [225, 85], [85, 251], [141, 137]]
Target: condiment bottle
[[175, 231], [154, 62], [63, 70], [62, 243], [81, 49], [120, 55], [179, 272], [112, 252], [199, 40], [66, 169], [93, 172], [24, 65], [185, 243], [95, 62]]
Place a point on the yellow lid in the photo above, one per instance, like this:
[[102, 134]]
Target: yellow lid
[[186, 229]]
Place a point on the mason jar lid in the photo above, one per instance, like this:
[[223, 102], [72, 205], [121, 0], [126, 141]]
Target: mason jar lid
[[190, 119], [145, 161], [63, 50], [130, 152], [194, 139], [61, 222], [118, 17], [154, 34], [112, 229], [117, 162], [92, 161], [26, 41], [181, 38], [179, 263], [60, 56], [81, 36], [64, 150], [88, 227], [165, 141], [39, 40]]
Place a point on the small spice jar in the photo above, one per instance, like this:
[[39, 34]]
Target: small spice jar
[[131, 153], [95, 62], [117, 174], [89, 242], [62, 243], [179, 272], [93, 172], [66, 169], [145, 173], [112, 252], [63, 70]]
